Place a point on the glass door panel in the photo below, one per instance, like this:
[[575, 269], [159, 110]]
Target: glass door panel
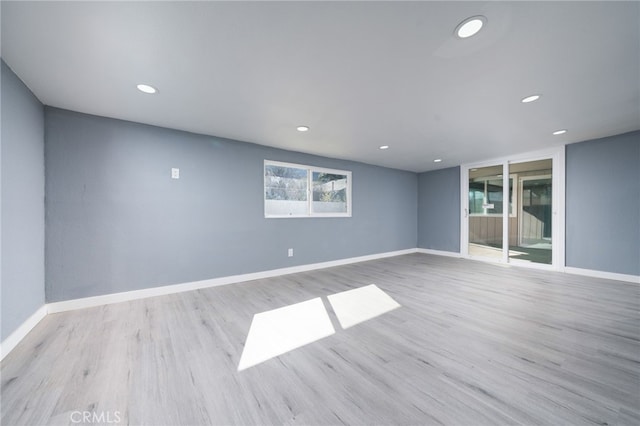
[[530, 229], [485, 211]]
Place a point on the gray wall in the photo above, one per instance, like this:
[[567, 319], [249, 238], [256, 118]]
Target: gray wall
[[439, 210], [603, 204], [22, 208], [117, 222]]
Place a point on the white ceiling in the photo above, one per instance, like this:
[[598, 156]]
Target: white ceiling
[[360, 74]]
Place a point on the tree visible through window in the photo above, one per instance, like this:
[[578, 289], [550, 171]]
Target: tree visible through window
[[329, 193]]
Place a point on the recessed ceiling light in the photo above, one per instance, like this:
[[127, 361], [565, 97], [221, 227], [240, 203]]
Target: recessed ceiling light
[[437, 160], [384, 147], [530, 99], [303, 128], [146, 88], [470, 26], [560, 132]]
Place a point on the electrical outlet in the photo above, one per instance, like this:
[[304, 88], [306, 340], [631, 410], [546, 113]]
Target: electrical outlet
[[290, 253], [175, 173]]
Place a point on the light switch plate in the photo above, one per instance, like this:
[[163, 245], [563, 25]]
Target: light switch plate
[[175, 173]]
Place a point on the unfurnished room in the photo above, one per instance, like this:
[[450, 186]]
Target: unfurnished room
[[320, 213]]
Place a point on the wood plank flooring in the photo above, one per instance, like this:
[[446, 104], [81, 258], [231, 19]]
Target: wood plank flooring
[[472, 344]]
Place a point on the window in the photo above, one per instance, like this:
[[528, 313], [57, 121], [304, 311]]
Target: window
[[294, 190], [486, 196]]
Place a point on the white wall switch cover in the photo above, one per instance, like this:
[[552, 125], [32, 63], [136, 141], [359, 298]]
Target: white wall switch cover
[[290, 253], [175, 173]]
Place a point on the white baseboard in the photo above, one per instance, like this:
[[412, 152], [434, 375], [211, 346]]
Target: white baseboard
[[88, 302], [567, 269], [601, 274], [14, 338], [68, 305], [438, 252]]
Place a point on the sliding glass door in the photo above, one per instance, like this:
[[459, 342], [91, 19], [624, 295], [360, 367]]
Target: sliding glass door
[[511, 211], [531, 239], [486, 207]]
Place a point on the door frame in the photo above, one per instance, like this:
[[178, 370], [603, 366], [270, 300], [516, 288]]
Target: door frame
[[557, 155], [521, 181]]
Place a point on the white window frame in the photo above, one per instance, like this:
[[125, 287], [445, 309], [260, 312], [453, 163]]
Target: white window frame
[[310, 170]]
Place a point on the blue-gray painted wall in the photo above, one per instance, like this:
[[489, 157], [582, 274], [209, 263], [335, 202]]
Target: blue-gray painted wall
[[439, 210], [116, 221], [22, 206], [603, 204]]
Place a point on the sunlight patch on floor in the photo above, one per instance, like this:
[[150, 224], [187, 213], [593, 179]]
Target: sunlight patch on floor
[[278, 331], [361, 304]]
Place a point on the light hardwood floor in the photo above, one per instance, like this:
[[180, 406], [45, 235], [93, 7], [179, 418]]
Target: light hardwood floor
[[472, 344]]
